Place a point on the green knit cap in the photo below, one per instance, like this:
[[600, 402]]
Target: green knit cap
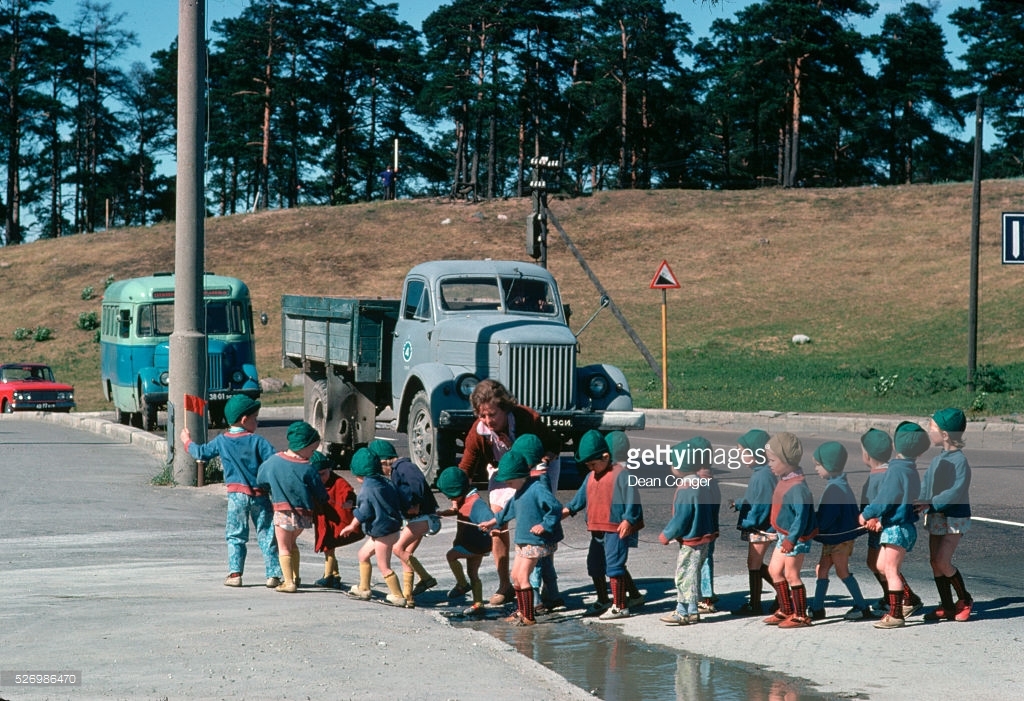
[[512, 466], [300, 435], [753, 440], [321, 461], [383, 449], [910, 440], [618, 444], [877, 444], [592, 446], [238, 407], [950, 420], [365, 464], [832, 456], [529, 446], [453, 483]]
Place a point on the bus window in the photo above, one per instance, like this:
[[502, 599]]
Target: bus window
[[217, 318], [164, 314]]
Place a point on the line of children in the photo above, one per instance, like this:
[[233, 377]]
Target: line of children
[[838, 528], [614, 518]]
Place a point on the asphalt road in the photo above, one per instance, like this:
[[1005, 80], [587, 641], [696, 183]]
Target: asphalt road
[[119, 580]]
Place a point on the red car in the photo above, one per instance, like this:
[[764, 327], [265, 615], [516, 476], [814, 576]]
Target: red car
[[31, 387]]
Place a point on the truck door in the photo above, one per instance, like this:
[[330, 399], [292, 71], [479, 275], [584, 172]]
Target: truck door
[[412, 330]]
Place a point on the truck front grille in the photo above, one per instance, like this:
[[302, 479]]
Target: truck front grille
[[542, 377], [215, 372]]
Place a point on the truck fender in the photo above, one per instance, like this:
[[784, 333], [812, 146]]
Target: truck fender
[[149, 380], [438, 381], [616, 398], [252, 377]]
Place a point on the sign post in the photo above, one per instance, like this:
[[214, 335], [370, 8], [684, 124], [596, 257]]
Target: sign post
[[664, 279]]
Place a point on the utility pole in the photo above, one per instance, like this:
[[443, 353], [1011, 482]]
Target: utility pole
[[188, 341], [972, 306]]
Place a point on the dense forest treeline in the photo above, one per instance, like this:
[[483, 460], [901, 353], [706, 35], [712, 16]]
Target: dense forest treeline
[[307, 98]]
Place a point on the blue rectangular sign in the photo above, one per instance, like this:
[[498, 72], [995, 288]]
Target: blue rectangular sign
[[1013, 238]]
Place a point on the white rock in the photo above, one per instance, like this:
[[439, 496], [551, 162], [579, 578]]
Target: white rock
[[800, 339]]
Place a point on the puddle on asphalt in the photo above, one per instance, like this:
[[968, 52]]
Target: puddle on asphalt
[[617, 668]]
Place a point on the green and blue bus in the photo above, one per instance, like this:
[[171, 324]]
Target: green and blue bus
[[136, 325]]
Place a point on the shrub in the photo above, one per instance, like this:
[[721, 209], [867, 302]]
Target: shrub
[[87, 321], [43, 334], [88, 292], [21, 333]]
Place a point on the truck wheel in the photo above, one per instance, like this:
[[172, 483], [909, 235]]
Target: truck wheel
[[122, 417], [316, 417], [429, 448]]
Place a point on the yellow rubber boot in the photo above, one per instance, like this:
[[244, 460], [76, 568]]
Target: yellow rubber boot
[[295, 568], [460, 574], [330, 566], [362, 590], [395, 598], [478, 591], [407, 580], [288, 585]]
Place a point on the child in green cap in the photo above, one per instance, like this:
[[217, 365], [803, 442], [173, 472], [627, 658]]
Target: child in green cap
[[891, 514], [470, 543], [946, 506], [838, 528]]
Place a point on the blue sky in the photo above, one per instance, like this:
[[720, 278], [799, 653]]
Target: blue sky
[[156, 21]]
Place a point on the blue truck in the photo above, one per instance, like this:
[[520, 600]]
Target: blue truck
[[457, 322]]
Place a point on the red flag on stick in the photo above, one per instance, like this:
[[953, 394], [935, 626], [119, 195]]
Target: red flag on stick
[[197, 405]]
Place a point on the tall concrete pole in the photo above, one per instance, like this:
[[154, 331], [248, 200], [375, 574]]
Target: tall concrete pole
[[188, 341]]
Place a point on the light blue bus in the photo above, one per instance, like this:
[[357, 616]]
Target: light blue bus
[[136, 325]]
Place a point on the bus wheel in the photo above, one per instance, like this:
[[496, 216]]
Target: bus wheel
[[122, 417], [149, 416]]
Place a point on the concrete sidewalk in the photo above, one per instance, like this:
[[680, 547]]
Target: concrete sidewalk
[[121, 581]]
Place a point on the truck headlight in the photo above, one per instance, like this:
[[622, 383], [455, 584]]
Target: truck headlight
[[465, 385], [237, 377], [164, 377], [597, 386]]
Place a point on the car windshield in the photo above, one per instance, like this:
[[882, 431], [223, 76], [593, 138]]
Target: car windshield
[[28, 374]]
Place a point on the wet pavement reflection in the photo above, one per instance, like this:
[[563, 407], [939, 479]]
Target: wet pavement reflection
[[614, 667]]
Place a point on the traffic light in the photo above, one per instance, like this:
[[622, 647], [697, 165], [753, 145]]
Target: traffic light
[[534, 236]]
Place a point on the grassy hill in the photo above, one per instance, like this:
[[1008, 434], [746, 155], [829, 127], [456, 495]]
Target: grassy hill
[[878, 278]]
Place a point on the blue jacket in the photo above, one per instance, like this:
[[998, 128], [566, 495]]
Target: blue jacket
[[871, 486], [294, 484], [793, 510], [412, 487], [755, 507], [894, 503], [378, 507], [837, 513], [533, 503], [946, 484], [694, 514], [241, 454]]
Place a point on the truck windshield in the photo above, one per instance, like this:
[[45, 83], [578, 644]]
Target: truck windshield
[[486, 295]]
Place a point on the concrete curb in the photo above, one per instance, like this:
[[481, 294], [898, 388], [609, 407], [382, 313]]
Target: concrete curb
[[992, 435]]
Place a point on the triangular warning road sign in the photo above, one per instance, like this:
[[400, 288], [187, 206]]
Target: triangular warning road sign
[[664, 279]]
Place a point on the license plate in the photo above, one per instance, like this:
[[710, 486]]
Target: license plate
[[217, 396]]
